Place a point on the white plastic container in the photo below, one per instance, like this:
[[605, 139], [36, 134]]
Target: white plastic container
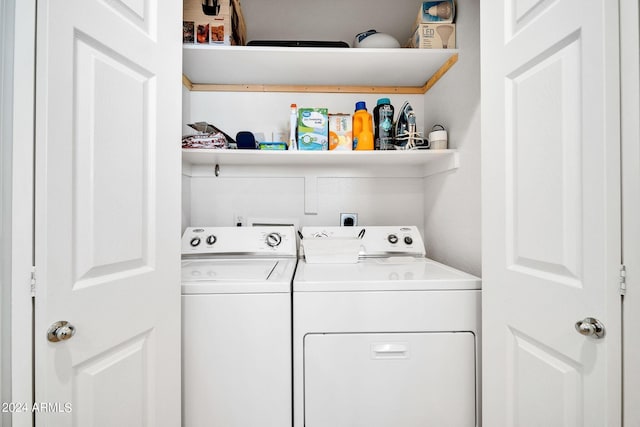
[[331, 250]]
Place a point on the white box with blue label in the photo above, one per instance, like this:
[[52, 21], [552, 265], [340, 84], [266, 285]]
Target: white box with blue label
[[432, 12], [313, 129]]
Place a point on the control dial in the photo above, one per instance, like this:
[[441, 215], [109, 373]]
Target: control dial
[[195, 241], [211, 239], [408, 240], [392, 238], [273, 239]]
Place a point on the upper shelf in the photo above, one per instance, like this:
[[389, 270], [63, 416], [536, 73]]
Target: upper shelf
[[300, 69]]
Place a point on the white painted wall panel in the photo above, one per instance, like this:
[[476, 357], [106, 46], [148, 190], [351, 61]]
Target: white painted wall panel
[[378, 201], [452, 199]]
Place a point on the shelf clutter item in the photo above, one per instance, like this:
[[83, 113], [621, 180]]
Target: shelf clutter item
[[340, 132], [217, 22], [442, 11], [298, 43], [383, 125], [374, 39], [434, 27], [207, 136], [362, 127], [438, 138], [434, 36], [313, 129], [334, 250]]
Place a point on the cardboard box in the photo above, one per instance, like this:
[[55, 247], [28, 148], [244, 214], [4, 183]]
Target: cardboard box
[[200, 28], [313, 129], [340, 132], [430, 36], [443, 11]]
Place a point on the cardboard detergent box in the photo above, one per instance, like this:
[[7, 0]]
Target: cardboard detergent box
[[434, 36], [340, 132], [198, 27], [313, 129]]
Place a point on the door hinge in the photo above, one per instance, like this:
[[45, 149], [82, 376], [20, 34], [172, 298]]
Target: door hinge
[[33, 281], [623, 280]]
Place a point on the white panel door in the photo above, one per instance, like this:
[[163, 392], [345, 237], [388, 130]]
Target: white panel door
[[108, 212], [551, 212]]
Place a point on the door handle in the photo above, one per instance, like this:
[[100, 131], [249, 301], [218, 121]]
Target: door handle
[[590, 327], [61, 331]]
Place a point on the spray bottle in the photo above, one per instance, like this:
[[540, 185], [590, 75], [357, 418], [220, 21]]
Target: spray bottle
[[293, 125]]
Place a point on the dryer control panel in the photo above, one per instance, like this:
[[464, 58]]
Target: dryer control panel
[[240, 241], [377, 241]]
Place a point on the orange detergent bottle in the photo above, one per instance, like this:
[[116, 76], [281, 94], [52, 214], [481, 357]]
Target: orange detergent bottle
[[362, 128]]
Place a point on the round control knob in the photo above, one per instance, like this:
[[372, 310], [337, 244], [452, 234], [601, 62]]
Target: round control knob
[[273, 239], [392, 238], [211, 239], [195, 241], [408, 240]]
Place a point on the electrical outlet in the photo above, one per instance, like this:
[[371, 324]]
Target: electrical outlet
[[348, 219], [238, 220]]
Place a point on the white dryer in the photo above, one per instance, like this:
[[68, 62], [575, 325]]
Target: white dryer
[[236, 326], [392, 340]]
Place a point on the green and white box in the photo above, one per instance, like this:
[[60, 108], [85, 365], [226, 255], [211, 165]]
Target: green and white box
[[313, 129]]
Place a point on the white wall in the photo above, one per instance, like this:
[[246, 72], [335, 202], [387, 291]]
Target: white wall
[[329, 19], [452, 199]]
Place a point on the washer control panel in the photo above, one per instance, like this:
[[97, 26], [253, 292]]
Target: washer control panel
[[377, 241], [254, 241]]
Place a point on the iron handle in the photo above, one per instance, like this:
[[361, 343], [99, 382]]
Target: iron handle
[[590, 327], [61, 331]]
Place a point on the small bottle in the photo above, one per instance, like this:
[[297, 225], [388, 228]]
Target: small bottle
[[362, 128], [293, 125], [383, 124]]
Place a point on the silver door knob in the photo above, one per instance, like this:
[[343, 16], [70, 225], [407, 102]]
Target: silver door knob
[[61, 331], [590, 327]]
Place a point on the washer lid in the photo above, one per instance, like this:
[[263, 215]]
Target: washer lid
[[210, 276], [383, 274]]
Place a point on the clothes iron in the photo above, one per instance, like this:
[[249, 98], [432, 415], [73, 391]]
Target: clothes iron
[[405, 134]]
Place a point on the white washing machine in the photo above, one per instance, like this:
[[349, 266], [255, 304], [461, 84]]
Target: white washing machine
[[392, 340], [236, 326]]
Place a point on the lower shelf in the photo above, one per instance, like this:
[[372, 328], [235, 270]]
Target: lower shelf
[[412, 163]]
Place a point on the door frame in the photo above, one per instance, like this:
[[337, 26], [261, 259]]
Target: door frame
[[17, 154], [630, 140]]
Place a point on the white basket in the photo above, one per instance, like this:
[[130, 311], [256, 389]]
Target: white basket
[[331, 250]]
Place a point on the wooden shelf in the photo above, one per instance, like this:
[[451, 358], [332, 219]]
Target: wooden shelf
[[299, 69]]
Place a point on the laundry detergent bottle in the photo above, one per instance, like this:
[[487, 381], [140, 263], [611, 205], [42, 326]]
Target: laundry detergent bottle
[[362, 128], [383, 121]]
